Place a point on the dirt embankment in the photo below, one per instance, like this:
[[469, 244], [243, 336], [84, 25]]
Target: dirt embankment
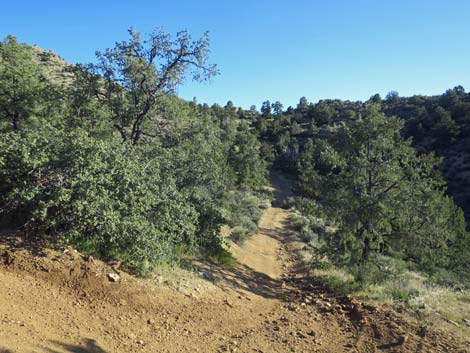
[[59, 301]]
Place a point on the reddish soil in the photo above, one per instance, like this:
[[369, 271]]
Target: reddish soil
[[59, 301]]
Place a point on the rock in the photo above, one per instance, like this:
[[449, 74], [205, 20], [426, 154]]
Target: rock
[[8, 258], [292, 307], [113, 277], [423, 330], [150, 321], [140, 342], [402, 339]]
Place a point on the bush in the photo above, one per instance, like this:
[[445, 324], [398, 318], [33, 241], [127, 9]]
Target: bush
[[239, 234], [379, 269], [96, 195], [241, 209]]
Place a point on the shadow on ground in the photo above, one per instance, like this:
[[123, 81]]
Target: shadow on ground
[[13, 240], [88, 346]]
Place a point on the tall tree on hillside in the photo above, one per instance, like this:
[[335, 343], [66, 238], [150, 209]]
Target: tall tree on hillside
[[21, 82], [266, 108], [138, 72], [386, 198], [277, 108], [302, 103]]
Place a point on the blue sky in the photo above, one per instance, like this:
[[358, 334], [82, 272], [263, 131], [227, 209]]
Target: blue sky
[[277, 50]]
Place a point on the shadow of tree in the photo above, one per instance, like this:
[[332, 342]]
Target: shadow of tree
[[89, 346], [242, 277], [18, 240], [4, 350]]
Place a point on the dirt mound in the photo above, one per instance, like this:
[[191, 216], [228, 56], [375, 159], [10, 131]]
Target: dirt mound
[[61, 301]]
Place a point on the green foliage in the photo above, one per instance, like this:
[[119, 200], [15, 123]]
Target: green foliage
[[385, 198], [101, 200], [245, 159], [113, 163], [138, 72], [21, 84]]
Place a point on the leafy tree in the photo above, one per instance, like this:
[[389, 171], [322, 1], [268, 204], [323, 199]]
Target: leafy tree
[[313, 129], [445, 129], [384, 196], [375, 98], [245, 159], [277, 108], [323, 114], [21, 82], [266, 108], [302, 103], [392, 97], [295, 129], [229, 106], [138, 72]]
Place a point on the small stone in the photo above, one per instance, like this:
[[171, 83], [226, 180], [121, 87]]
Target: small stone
[[113, 277], [140, 342], [150, 321], [402, 339]]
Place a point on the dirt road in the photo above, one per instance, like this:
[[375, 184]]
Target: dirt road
[[54, 301]]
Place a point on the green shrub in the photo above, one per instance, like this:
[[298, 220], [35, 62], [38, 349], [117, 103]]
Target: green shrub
[[239, 234], [378, 270], [96, 195]]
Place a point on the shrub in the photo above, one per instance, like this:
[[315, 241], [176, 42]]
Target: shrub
[[96, 195], [239, 234]]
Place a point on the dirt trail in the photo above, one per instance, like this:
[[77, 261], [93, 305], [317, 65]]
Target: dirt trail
[[53, 301]]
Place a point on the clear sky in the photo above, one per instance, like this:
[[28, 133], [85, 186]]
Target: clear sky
[[274, 49]]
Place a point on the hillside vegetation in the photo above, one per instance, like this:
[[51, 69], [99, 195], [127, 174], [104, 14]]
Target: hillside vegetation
[[106, 158], [372, 179]]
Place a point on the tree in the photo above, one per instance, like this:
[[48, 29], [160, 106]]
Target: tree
[[138, 72], [323, 114], [277, 108], [253, 108], [21, 82], [245, 158], [392, 97], [266, 108], [229, 106], [302, 103], [295, 129], [384, 196], [375, 98], [445, 130]]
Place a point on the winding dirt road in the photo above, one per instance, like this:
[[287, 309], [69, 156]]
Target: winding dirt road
[[60, 302]]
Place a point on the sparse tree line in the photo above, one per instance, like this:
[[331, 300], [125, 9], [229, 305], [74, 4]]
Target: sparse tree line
[[108, 159]]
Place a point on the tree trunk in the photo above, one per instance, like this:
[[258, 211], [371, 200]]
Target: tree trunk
[[15, 121]]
